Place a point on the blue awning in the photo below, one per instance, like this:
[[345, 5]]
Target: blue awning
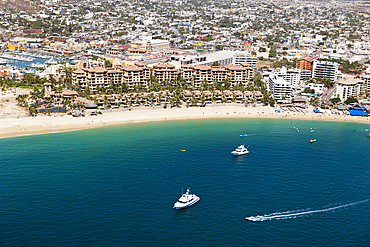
[[358, 113]]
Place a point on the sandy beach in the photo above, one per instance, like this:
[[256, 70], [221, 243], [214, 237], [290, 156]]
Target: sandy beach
[[10, 127], [8, 102]]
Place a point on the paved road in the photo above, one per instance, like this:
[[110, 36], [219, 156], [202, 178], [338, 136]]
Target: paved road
[[329, 93]]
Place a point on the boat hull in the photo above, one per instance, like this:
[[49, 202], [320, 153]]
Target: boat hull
[[187, 205], [238, 154]]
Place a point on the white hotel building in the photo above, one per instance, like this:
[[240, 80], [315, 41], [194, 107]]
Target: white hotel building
[[280, 88], [349, 88], [292, 76], [326, 70]]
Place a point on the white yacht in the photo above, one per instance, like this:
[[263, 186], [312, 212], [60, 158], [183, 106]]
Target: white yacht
[[186, 200], [240, 150]]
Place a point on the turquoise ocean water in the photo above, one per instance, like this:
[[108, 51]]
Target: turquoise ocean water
[[116, 186]]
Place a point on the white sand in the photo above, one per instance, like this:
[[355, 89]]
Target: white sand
[[57, 122], [8, 102]]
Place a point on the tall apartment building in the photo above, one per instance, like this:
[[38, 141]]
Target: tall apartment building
[[349, 88], [326, 70], [366, 79], [280, 88], [306, 63], [292, 76]]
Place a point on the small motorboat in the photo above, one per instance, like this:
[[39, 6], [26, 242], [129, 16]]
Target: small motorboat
[[240, 150], [312, 140], [186, 200], [254, 218], [243, 135]]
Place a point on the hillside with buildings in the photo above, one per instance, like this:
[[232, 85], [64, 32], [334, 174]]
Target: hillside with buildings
[[121, 52], [19, 5]]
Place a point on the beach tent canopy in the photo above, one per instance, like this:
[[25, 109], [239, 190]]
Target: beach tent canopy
[[316, 110], [358, 113], [90, 105]]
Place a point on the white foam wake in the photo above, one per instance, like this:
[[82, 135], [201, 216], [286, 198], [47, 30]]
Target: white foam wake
[[298, 213]]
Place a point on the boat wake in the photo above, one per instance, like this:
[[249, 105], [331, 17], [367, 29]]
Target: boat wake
[[298, 213]]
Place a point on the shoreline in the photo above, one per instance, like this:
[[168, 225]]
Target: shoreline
[[14, 127]]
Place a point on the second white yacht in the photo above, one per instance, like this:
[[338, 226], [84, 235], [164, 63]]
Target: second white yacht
[[186, 200], [240, 150]]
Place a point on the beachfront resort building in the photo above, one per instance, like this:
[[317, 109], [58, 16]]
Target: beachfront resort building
[[292, 76], [203, 74], [133, 76], [281, 89], [136, 76], [325, 70], [349, 88], [165, 73], [140, 76]]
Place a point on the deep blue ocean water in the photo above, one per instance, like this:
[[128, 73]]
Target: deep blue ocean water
[[116, 186]]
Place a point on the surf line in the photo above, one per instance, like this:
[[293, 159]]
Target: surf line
[[295, 214]]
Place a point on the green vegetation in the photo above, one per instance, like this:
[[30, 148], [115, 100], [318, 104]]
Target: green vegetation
[[335, 100], [328, 83], [272, 52], [107, 63], [284, 62], [347, 67], [309, 90], [351, 100]]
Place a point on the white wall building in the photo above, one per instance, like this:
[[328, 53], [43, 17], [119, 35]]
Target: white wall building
[[238, 59], [326, 70], [280, 88], [366, 79], [306, 74], [292, 76], [319, 88], [221, 57], [349, 88]]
